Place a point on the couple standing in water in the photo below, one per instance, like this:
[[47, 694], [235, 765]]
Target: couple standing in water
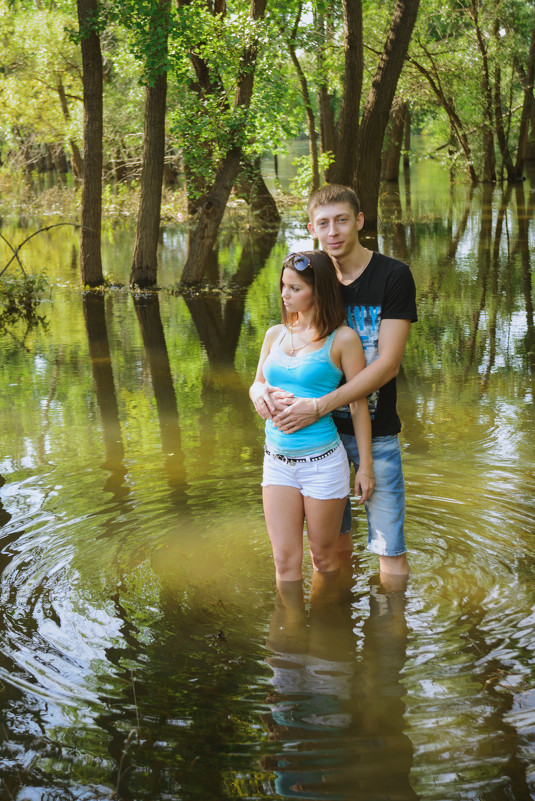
[[326, 386]]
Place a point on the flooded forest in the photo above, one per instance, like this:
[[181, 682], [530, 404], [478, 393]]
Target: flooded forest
[[144, 650]]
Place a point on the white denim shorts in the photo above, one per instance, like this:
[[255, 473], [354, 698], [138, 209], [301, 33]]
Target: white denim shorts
[[323, 479]]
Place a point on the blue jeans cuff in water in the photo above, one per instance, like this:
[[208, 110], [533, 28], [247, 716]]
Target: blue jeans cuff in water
[[386, 508]]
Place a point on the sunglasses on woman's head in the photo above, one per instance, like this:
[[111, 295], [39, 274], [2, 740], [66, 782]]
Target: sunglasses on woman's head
[[299, 262]]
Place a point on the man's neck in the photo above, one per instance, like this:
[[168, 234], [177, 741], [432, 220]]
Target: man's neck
[[350, 267]]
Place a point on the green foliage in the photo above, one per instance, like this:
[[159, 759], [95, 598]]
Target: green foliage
[[445, 43], [41, 92], [41, 89], [302, 184]]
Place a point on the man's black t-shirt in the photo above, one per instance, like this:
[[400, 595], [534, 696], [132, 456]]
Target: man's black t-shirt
[[385, 290]]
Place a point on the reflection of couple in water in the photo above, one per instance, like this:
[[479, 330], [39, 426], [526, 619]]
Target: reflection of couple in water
[[336, 718], [326, 387]]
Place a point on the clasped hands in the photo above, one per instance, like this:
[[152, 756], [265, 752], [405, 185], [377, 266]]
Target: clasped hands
[[287, 412]]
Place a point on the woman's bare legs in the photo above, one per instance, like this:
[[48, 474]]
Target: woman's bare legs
[[284, 511], [323, 528]]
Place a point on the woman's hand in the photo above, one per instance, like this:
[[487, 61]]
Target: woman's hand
[[364, 484], [268, 400]]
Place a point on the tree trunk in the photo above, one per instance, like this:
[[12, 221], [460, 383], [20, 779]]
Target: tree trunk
[[208, 83], [501, 133], [250, 185], [501, 136], [204, 238], [407, 136], [311, 122], [448, 105], [77, 163], [145, 258], [327, 128], [528, 107], [91, 213], [489, 157], [211, 214], [377, 108], [342, 171], [394, 141]]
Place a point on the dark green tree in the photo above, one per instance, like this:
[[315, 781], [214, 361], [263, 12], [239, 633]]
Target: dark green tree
[[145, 256], [91, 211]]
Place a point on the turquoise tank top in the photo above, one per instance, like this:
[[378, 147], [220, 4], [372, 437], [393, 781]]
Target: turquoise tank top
[[309, 375]]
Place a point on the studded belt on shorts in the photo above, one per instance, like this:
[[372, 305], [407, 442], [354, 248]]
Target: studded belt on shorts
[[291, 461]]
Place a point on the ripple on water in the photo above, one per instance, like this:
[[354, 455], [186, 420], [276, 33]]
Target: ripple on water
[[153, 601]]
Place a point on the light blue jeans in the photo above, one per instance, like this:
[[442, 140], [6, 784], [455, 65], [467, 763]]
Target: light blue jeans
[[386, 507]]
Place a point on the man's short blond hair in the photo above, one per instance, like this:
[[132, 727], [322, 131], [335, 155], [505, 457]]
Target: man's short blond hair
[[333, 193]]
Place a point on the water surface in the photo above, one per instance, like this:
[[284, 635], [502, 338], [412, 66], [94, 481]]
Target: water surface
[[144, 650]]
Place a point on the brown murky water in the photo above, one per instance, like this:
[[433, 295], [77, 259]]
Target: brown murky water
[[143, 649]]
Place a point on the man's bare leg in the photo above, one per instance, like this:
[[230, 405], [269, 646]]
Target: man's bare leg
[[394, 572], [345, 543]]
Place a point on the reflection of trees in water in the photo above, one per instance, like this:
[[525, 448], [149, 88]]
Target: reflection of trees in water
[[525, 214], [484, 261], [5, 517], [218, 317], [99, 353], [466, 313], [505, 737], [147, 308], [148, 313], [160, 697], [338, 719]]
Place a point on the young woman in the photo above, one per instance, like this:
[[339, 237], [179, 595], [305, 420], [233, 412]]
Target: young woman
[[306, 473]]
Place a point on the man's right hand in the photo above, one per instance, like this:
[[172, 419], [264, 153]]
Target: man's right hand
[[269, 400]]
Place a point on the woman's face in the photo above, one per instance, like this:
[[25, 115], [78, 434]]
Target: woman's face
[[297, 295]]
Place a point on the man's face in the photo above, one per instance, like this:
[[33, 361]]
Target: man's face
[[336, 228]]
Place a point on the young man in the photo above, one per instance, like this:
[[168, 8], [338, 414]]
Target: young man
[[380, 297]]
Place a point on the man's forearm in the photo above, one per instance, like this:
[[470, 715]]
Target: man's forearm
[[372, 378]]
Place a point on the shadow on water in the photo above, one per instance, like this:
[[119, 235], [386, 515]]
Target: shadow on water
[[141, 654]]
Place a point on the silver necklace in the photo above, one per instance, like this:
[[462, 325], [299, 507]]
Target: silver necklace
[[293, 350]]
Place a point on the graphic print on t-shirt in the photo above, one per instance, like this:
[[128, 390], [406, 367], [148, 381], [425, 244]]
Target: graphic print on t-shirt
[[365, 320]]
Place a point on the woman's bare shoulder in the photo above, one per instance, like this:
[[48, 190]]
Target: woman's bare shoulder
[[273, 332], [346, 335]]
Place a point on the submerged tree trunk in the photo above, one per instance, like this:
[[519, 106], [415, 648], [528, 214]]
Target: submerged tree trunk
[[327, 128], [311, 120], [489, 157], [204, 237], [528, 107], [448, 105], [145, 257], [377, 108], [250, 185], [394, 142], [91, 212], [342, 171], [407, 136]]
